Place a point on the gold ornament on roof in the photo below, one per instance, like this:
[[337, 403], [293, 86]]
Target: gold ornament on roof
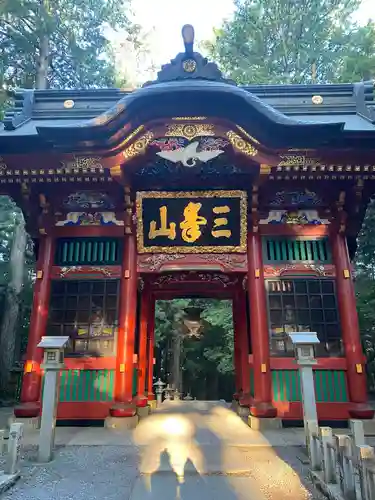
[[190, 130], [189, 65], [317, 99], [69, 104], [139, 146], [240, 144], [187, 118]]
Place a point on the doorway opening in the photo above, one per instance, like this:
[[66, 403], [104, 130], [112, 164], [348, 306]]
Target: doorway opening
[[194, 340]]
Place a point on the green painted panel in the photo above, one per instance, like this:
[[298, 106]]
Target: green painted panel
[[89, 385], [252, 381], [135, 381], [330, 386], [87, 251], [279, 249]]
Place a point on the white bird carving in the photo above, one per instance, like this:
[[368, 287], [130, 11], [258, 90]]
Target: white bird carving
[[189, 155]]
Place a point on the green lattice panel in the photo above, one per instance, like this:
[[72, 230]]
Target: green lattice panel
[[330, 386], [83, 386], [296, 250]]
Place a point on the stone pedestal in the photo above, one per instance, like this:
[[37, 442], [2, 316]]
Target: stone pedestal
[[126, 423], [243, 411], [263, 424], [143, 411]]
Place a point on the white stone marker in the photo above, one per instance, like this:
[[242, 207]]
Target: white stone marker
[[12, 464], [53, 363]]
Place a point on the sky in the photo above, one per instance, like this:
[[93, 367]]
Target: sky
[[162, 20]]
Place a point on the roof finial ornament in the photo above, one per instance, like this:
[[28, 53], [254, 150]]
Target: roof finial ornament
[[188, 38], [189, 65]]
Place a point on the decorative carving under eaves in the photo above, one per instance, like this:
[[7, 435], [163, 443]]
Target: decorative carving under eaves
[[319, 270], [302, 217], [240, 144], [88, 200], [222, 280], [190, 130], [104, 271], [160, 168], [297, 161], [155, 261], [231, 261], [139, 146], [82, 163], [304, 198], [90, 219]]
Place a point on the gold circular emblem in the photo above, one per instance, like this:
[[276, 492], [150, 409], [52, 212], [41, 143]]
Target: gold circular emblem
[[317, 99], [189, 65], [189, 131], [69, 104]]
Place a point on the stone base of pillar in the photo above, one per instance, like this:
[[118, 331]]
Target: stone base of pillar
[[123, 410], [242, 411], [361, 411], [121, 423], [31, 423], [262, 410], [27, 410], [153, 404], [143, 411], [262, 424]]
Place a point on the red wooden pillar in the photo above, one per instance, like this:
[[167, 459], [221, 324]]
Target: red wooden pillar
[[355, 358], [241, 349], [262, 404], [142, 351], [31, 384], [151, 345], [124, 406]]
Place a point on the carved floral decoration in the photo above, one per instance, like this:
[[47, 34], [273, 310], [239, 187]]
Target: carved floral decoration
[[88, 200], [302, 217], [90, 219]]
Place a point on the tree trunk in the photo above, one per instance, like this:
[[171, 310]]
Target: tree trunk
[[41, 81], [8, 339], [9, 325], [176, 371]]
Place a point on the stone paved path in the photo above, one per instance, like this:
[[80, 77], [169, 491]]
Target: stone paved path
[[187, 452]]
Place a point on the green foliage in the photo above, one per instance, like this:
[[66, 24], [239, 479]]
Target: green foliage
[[283, 41], [212, 353], [62, 41]]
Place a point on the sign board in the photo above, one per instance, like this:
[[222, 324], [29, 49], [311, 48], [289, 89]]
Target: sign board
[[191, 222]]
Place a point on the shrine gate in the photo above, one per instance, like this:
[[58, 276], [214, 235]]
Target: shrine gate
[[193, 185]]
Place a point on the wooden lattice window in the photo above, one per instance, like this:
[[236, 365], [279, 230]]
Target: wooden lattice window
[[300, 305], [88, 251], [296, 250], [87, 312]]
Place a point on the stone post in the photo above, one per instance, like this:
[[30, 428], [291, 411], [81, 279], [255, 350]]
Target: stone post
[[313, 445], [48, 421], [328, 458], [346, 471], [366, 458], [53, 363], [12, 464]]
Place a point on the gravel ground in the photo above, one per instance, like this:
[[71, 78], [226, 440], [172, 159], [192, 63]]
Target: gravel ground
[[111, 472]]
